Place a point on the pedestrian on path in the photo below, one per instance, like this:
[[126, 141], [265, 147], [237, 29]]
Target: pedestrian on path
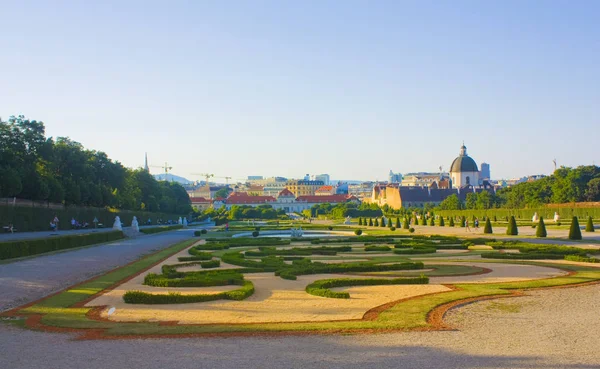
[[467, 225]]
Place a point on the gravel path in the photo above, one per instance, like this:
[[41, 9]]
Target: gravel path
[[549, 329], [30, 279]]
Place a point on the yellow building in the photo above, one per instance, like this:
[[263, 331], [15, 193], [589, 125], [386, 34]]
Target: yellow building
[[303, 187]]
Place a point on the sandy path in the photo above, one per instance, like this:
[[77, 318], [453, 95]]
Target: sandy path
[[501, 273]]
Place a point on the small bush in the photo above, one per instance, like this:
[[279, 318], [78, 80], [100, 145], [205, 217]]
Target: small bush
[[512, 229], [392, 229], [589, 227], [442, 224], [451, 222], [210, 264], [358, 232], [330, 228], [411, 230], [574, 231], [153, 230], [541, 229], [488, 227], [200, 232], [377, 248], [255, 234], [406, 224], [138, 297], [360, 222]]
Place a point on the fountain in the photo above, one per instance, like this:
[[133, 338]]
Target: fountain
[[135, 225], [117, 224]]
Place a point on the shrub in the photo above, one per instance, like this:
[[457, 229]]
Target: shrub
[[582, 259], [200, 232], [519, 256], [160, 229], [370, 222], [415, 250], [589, 227], [463, 221], [406, 224], [28, 247], [431, 222], [495, 219], [574, 231], [360, 222], [392, 229], [442, 224], [138, 297], [330, 228], [377, 248], [210, 264], [376, 223], [255, 234], [488, 227], [397, 222], [358, 232], [423, 220], [451, 223], [198, 255], [411, 230], [541, 229], [382, 224], [323, 287], [512, 229]]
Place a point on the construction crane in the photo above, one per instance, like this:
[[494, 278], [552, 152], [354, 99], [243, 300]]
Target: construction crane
[[166, 168], [205, 175], [208, 176]]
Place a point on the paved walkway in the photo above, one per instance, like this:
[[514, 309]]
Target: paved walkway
[[30, 279]]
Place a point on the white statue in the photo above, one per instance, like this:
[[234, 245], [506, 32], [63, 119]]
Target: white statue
[[556, 217], [135, 225], [179, 221], [535, 218], [117, 224], [347, 220], [185, 222]]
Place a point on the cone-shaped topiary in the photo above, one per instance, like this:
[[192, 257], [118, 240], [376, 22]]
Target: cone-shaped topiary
[[423, 220], [575, 232], [451, 223], [370, 222], [442, 222], [382, 224], [431, 222], [589, 227], [415, 220], [397, 222], [495, 219], [463, 221], [406, 224], [488, 226], [376, 222], [360, 221], [540, 230], [512, 229]]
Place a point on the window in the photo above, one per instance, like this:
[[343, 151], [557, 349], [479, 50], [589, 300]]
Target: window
[[468, 180]]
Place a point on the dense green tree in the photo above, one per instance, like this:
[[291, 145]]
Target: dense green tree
[[575, 231], [488, 227], [540, 230], [471, 200], [223, 192], [451, 202], [589, 227]]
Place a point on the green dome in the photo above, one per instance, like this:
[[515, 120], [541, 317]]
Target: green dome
[[464, 163]]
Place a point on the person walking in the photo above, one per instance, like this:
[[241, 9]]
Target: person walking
[[55, 221], [476, 223], [467, 225]]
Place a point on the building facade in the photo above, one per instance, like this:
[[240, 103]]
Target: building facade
[[323, 178], [303, 187], [394, 177], [463, 171], [485, 171]]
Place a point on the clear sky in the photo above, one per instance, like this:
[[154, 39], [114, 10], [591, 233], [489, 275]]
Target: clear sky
[[349, 88]]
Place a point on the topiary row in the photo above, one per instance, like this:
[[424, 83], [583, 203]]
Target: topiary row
[[153, 230], [139, 297]]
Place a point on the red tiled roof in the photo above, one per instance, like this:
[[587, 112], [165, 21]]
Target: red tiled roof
[[325, 199], [325, 188], [238, 198], [285, 192]]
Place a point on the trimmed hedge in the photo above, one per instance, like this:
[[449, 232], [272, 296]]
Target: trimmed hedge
[[322, 287], [210, 264], [200, 232], [172, 278], [138, 297], [416, 250], [17, 249], [524, 256], [377, 248], [160, 229], [582, 259]]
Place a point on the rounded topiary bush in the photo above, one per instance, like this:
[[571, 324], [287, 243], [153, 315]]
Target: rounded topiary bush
[[541, 229], [257, 229], [411, 230], [330, 228], [392, 228], [358, 232], [255, 234], [574, 231], [204, 231], [488, 226], [589, 227]]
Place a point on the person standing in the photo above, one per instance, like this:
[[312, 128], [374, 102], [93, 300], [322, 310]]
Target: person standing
[[55, 221], [467, 225]]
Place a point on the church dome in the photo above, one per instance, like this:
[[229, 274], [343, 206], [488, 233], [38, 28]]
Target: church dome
[[463, 163]]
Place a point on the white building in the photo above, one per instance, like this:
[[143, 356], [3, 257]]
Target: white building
[[464, 171]]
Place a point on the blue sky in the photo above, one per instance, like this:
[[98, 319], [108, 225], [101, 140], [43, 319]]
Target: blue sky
[[349, 88]]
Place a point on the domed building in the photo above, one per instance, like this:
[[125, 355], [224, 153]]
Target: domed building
[[464, 171]]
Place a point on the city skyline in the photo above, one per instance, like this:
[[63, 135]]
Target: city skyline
[[286, 89]]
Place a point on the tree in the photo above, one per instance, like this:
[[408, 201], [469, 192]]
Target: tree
[[463, 221], [575, 231], [589, 227], [540, 230], [431, 222], [423, 220], [406, 224], [471, 200], [376, 223], [223, 193], [382, 222], [488, 226], [360, 222], [451, 223], [451, 202], [398, 222], [512, 229], [370, 222]]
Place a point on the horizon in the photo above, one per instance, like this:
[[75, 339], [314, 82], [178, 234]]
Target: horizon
[[278, 89]]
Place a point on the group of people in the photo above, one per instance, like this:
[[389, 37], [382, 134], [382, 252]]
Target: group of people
[[74, 223], [475, 223]]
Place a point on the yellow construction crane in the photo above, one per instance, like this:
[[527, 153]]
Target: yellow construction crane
[[166, 168], [205, 175]]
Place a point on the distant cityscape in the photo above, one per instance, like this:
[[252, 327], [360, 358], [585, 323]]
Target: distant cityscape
[[415, 189]]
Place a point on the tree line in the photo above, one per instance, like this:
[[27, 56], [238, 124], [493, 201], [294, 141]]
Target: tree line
[[36, 167], [565, 185]]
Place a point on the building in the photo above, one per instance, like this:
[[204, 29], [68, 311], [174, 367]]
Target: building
[[205, 191], [362, 190], [323, 178], [463, 171], [303, 187], [325, 191], [485, 171], [285, 200], [423, 179], [394, 177], [398, 197], [254, 178]]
